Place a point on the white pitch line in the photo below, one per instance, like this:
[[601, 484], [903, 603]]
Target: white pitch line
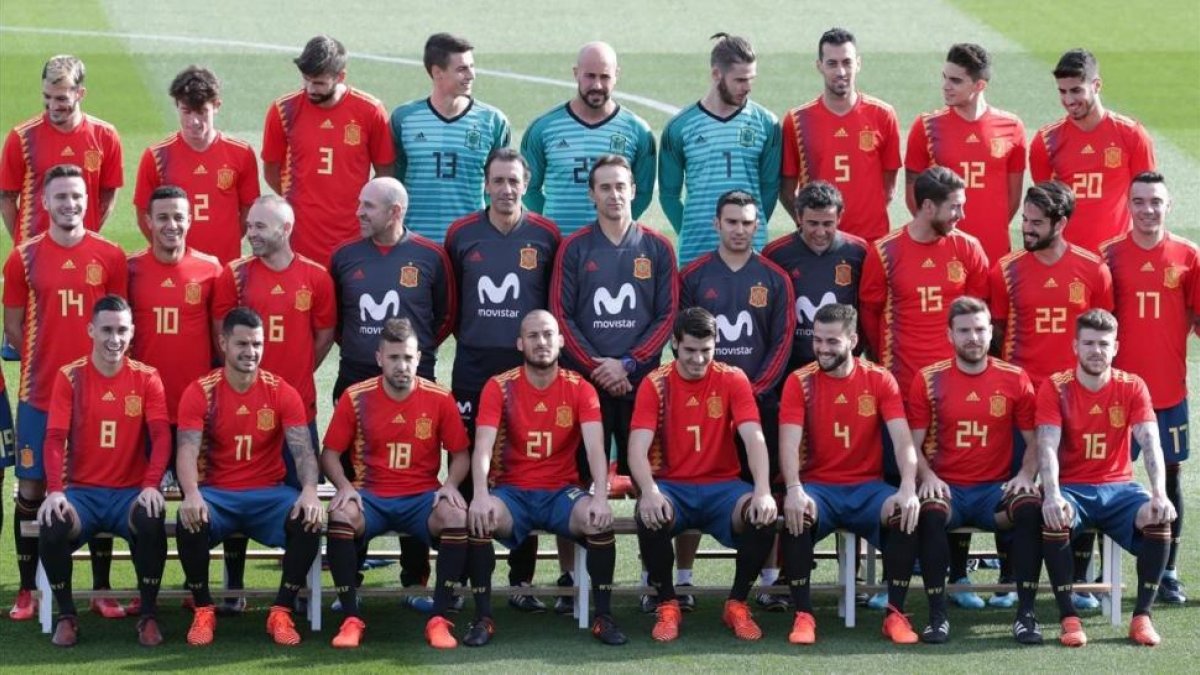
[[269, 47]]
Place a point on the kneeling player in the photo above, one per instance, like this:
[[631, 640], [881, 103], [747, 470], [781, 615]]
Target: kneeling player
[[530, 423], [833, 408], [395, 426], [101, 410], [684, 462], [233, 422], [962, 412], [1084, 420]]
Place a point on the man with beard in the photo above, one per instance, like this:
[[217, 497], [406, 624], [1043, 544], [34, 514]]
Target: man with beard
[[723, 142], [845, 137], [563, 143], [320, 145]]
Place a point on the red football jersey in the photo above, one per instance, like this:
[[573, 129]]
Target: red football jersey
[[243, 434], [984, 153], [1099, 165], [538, 430], [694, 422], [843, 420], [852, 151], [219, 182], [105, 422], [57, 287], [1156, 292], [325, 157], [34, 146], [1095, 425], [1038, 304], [969, 419], [294, 303], [396, 446], [172, 317], [906, 290]]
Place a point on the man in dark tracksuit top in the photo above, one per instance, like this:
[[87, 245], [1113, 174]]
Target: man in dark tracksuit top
[[501, 258]]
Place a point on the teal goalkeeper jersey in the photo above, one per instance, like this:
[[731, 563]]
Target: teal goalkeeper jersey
[[440, 161], [561, 149], [709, 156]]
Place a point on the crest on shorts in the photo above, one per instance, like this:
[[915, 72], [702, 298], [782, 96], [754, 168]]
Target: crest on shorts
[[1116, 416], [616, 144], [529, 258], [303, 300], [1000, 147], [746, 136], [955, 272], [266, 419], [1112, 158], [866, 405], [1075, 292], [758, 296], [26, 457], [715, 407], [866, 140], [998, 406], [93, 274], [352, 135], [1171, 276], [842, 274], [473, 139], [410, 276], [225, 178], [192, 293], [642, 269], [92, 159], [564, 416], [423, 429], [133, 405]]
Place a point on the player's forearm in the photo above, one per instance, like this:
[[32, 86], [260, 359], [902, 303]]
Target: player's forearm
[[672, 206], [273, 177], [55, 448], [460, 465], [787, 195], [1048, 438], [639, 459], [910, 201], [187, 455], [299, 443], [1029, 463], [1015, 181], [889, 185], [322, 343], [924, 471], [597, 455], [143, 223], [383, 170], [160, 453], [8, 212], [14, 327], [481, 459], [107, 202], [789, 452], [756, 456], [905, 452], [1146, 435], [997, 347], [331, 466]]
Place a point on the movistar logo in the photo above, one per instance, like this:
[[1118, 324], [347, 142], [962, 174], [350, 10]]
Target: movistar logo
[[605, 303], [378, 311], [732, 332], [806, 309], [498, 294]]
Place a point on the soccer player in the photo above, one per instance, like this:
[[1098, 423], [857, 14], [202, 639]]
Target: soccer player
[[831, 416], [442, 141], [99, 477], [722, 142], [64, 134], [564, 142], [320, 145], [1156, 284], [844, 137], [1085, 416], [983, 144], [614, 290], [530, 424], [963, 412], [218, 174], [682, 456], [1093, 150], [394, 426], [233, 423], [823, 263], [48, 281]]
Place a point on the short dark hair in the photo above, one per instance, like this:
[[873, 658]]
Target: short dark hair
[[972, 58], [1077, 63], [838, 313], [240, 316], [696, 322], [834, 36], [110, 303], [64, 67], [966, 304], [737, 198], [62, 171], [194, 86], [1096, 319], [323, 55], [396, 330], [440, 46], [1054, 199], [1150, 177], [935, 184], [730, 50], [163, 192], [607, 160], [819, 195], [505, 155]]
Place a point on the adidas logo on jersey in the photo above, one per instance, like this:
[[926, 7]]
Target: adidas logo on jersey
[[840, 133], [1095, 410], [108, 397], [927, 264], [243, 410], [475, 256], [840, 400], [591, 266], [167, 283], [420, 136], [563, 144], [398, 419], [69, 265], [358, 275], [327, 124], [1148, 267], [1087, 150], [540, 407], [692, 402], [701, 139], [200, 171], [710, 294], [278, 290], [972, 397], [67, 152], [972, 138], [1050, 283]]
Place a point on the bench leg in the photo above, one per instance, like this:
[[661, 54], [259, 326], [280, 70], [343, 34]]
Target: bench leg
[[846, 572], [315, 596], [45, 600], [584, 585], [1112, 577]]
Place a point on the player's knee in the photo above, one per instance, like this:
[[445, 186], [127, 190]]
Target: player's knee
[[934, 512], [446, 515], [1024, 510], [146, 526], [31, 490], [1159, 533], [347, 513], [57, 533]]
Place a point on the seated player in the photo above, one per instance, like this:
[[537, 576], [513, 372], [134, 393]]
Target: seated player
[[395, 426], [233, 423], [683, 459], [531, 421], [962, 412], [102, 409], [1084, 420], [831, 416]]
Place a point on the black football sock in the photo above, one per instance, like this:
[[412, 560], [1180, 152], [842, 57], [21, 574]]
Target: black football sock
[[54, 546], [601, 564], [1151, 561], [451, 565], [752, 552], [414, 562], [658, 556], [1025, 513], [235, 561], [342, 550], [194, 556], [1175, 494], [959, 552], [1056, 551], [797, 565], [100, 553], [481, 564], [522, 562], [27, 547], [1082, 547], [149, 556], [1003, 554], [899, 553], [934, 546], [298, 555]]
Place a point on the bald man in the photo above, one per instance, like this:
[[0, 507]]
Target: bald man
[[563, 143]]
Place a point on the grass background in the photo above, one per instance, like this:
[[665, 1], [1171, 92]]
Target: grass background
[[1150, 60]]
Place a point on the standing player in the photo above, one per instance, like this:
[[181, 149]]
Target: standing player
[[723, 142], [1093, 150], [219, 174], [394, 428], [1156, 289], [442, 141], [320, 145], [104, 409], [614, 290], [984, 145], [530, 424], [233, 424], [1085, 417], [563, 143], [845, 137], [64, 134], [682, 456], [48, 281]]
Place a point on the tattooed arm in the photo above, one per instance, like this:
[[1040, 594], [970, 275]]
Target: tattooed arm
[[1146, 435], [1055, 510], [193, 511], [308, 506]]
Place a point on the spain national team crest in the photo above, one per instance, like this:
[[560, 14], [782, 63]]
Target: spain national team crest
[[1112, 158], [564, 416], [1000, 147], [26, 457], [866, 405], [92, 160], [1075, 292], [303, 300], [1171, 277], [423, 429], [265, 419], [529, 258], [642, 269], [842, 274], [1116, 416], [998, 406], [746, 136], [616, 144], [866, 140], [225, 178], [93, 274], [758, 296], [473, 139], [133, 406], [352, 135], [192, 293], [410, 276], [955, 272], [715, 407]]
